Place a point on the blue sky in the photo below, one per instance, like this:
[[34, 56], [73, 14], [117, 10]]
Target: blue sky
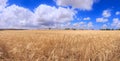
[[79, 14]]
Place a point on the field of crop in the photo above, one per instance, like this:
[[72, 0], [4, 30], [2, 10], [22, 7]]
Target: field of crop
[[59, 45]]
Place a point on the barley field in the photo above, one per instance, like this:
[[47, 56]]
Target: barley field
[[59, 45]]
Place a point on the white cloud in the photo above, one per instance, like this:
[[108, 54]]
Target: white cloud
[[78, 19], [79, 25], [15, 16], [66, 25], [83, 25], [104, 26], [90, 25], [106, 13], [116, 23], [87, 18], [3, 3], [101, 20], [53, 15], [43, 16], [81, 4], [117, 13]]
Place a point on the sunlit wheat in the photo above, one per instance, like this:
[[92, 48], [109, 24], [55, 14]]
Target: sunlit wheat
[[59, 45]]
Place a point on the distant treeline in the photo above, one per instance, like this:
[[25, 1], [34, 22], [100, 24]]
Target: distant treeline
[[89, 29], [76, 29], [65, 29], [109, 29], [13, 29], [70, 29]]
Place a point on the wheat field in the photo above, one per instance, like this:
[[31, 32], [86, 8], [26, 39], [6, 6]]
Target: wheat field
[[59, 45]]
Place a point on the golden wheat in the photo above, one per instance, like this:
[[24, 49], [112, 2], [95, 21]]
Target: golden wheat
[[59, 45]]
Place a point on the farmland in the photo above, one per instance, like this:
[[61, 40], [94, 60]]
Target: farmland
[[59, 45]]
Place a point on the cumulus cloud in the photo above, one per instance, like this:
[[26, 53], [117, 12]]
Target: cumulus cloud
[[106, 13], [79, 25], [90, 25], [83, 25], [103, 20], [3, 3], [104, 26], [117, 13], [81, 4], [53, 15], [43, 16], [87, 18], [116, 23], [15, 16], [66, 25]]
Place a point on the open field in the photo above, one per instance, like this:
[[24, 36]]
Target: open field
[[54, 45]]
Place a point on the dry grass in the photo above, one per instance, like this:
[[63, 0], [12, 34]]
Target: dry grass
[[34, 45]]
